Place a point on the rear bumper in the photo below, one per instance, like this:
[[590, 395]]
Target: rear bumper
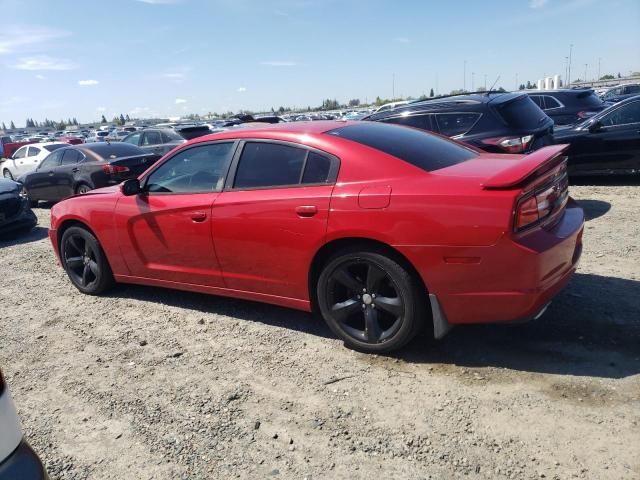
[[512, 280], [23, 464]]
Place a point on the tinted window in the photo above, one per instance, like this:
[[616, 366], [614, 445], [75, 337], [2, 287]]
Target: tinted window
[[632, 89], [102, 134], [451, 124], [33, 151], [169, 136], [629, 113], [197, 169], [317, 169], [551, 102], [537, 99], [51, 148], [590, 99], [114, 150], [426, 151], [151, 138], [269, 165], [522, 113], [20, 153], [71, 156], [133, 139], [422, 122], [51, 161]]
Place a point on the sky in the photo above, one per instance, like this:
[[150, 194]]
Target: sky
[[165, 58]]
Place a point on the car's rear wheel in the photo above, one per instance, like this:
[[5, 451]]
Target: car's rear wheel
[[6, 173], [82, 189], [84, 261], [370, 301]]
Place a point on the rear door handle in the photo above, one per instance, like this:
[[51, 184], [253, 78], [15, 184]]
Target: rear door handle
[[306, 210], [51, 174], [198, 216], [75, 169]]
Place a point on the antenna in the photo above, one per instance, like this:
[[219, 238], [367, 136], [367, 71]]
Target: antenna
[[494, 84]]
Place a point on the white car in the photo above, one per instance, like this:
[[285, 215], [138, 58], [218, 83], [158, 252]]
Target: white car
[[17, 459], [27, 158]]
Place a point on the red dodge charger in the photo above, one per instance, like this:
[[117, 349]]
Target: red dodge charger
[[383, 229]]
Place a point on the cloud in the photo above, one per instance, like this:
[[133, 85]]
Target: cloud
[[101, 109], [178, 77], [180, 100], [242, 89], [43, 62], [86, 83], [41, 77], [279, 63], [537, 3], [24, 37], [401, 40]]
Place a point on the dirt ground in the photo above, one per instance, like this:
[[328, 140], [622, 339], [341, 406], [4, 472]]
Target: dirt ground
[[152, 384]]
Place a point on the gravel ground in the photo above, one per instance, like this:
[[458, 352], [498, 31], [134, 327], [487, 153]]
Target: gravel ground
[[151, 383]]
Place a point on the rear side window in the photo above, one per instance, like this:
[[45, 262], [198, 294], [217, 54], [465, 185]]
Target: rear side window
[[424, 150], [269, 165], [551, 102], [451, 124], [317, 169], [51, 148], [423, 122], [632, 89], [522, 113], [537, 99], [33, 151], [151, 138]]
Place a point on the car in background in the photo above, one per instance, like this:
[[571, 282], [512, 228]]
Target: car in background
[[569, 105], [607, 143], [18, 461], [9, 145], [380, 228], [391, 106], [98, 136], [70, 139], [116, 135], [155, 140], [189, 132], [621, 92], [15, 214], [491, 121], [78, 169], [28, 158]]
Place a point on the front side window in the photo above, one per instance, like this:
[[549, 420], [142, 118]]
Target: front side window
[[52, 161], [132, 139], [451, 124], [20, 153], [193, 170], [33, 151], [632, 89], [551, 102], [265, 164], [624, 115], [71, 157], [151, 138]]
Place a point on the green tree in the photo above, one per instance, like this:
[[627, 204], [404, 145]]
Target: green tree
[[607, 77], [75, 121], [354, 102], [103, 120], [13, 125], [431, 94], [121, 119], [127, 118], [619, 76], [281, 110]]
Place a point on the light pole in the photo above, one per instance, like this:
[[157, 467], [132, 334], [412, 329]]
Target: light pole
[[464, 77], [393, 86], [569, 74], [585, 71], [599, 58], [473, 75], [566, 67], [485, 82], [517, 86]]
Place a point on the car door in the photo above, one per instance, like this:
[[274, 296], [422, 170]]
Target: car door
[[65, 174], [165, 232], [614, 146], [18, 161], [41, 183], [152, 142], [272, 217], [34, 155]]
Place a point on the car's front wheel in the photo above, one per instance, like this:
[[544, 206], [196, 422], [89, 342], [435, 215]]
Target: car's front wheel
[[84, 261], [370, 300], [6, 173]]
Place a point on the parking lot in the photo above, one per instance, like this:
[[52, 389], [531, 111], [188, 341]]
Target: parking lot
[[172, 384]]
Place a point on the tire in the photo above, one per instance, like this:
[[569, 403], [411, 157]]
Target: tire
[[82, 188], [85, 262], [370, 301], [6, 173]]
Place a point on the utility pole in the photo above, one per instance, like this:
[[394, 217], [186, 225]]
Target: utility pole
[[485, 81], [566, 68], [569, 74], [464, 75], [585, 71], [599, 58], [473, 75], [517, 86], [393, 86]]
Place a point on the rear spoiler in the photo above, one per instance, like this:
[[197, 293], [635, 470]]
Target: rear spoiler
[[531, 166]]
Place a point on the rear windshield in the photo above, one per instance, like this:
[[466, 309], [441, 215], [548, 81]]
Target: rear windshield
[[590, 99], [522, 114], [114, 150], [51, 148], [424, 150], [102, 134]]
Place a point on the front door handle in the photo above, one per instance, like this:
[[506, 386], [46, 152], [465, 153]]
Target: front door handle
[[75, 169], [198, 216], [306, 210], [51, 174]]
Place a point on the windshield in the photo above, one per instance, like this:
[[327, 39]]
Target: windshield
[[51, 148]]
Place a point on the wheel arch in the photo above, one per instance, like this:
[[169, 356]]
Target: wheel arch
[[72, 222]]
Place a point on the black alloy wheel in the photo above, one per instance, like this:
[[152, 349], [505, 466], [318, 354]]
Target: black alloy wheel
[[84, 261], [82, 189], [370, 301]]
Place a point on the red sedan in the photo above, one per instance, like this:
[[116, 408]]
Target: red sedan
[[383, 229]]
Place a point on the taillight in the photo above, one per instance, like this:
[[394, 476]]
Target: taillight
[[540, 204], [510, 144], [114, 169]]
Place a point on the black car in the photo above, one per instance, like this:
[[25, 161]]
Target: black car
[[569, 105], [15, 214], [621, 92], [155, 140], [492, 121], [607, 143], [79, 168]]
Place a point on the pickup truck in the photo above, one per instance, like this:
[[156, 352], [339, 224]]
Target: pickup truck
[[8, 148]]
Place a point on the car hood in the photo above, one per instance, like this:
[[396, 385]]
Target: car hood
[[8, 186]]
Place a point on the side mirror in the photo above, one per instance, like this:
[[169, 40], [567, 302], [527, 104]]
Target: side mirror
[[596, 126], [131, 187]]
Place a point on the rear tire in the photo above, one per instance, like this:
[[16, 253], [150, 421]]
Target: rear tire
[[370, 300], [85, 262], [6, 173]]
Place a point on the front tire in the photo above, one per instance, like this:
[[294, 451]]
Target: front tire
[[82, 188], [85, 262], [6, 173], [370, 301]]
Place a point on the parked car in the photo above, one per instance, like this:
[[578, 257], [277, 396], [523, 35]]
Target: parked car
[[492, 121], [189, 132], [8, 146], [116, 135], [17, 458], [15, 214], [155, 140], [28, 158], [70, 139], [569, 105], [391, 106], [98, 136], [607, 143], [78, 169], [621, 92], [423, 230]]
